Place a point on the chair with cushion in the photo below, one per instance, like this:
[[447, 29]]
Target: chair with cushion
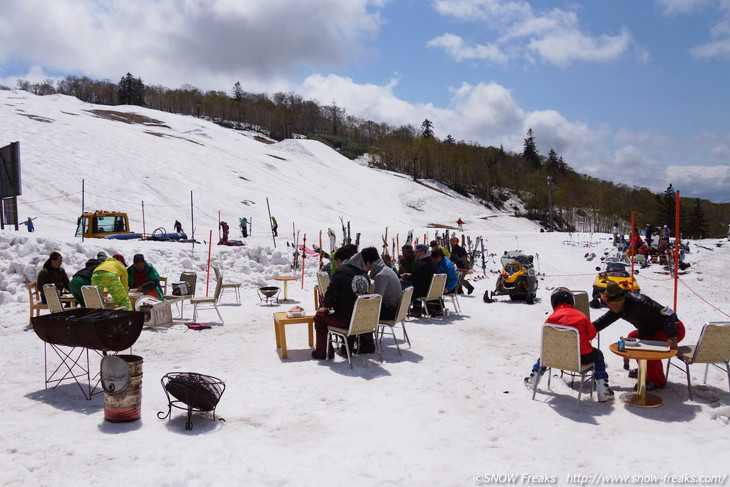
[[93, 299], [34, 299], [435, 293], [52, 298], [191, 280], [209, 301], [400, 317], [454, 295], [236, 286], [365, 317], [713, 348], [560, 349]]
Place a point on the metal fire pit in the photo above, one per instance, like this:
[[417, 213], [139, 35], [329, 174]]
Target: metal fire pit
[[84, 329], [191, 391], [268, 295]]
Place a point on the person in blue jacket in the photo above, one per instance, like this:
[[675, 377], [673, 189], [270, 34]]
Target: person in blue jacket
[[445, 266]]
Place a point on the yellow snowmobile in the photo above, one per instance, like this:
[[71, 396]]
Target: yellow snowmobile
[[517, 280], [616, 272]]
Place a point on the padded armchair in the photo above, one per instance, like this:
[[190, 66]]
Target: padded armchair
[[365, 317], [435, 292], [560, 349], [400, 317], [713, 348]]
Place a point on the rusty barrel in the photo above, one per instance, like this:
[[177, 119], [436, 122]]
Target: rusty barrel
[[126, 404]]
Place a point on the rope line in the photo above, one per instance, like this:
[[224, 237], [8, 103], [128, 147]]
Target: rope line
[[703, 299]]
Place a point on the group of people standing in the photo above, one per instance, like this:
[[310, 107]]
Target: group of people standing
[[110, 273]]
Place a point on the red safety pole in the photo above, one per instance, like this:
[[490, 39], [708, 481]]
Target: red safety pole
[[207, 273], [676, 250], [143, 227], [304, 255], [632, 251]]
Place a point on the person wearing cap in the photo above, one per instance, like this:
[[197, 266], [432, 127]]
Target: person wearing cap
[[564, 313], [460, 258], [144, 278], [406, 260], [120, 258], [112, 276], [101, 256], [435, 245], [52, 273], [420, 278], [83, 278], [445, 266], [651, 320]]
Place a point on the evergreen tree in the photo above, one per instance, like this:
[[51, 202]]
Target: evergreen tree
[[529, 153], [697, 224], [237, 92], [450, 140], [427, 129], [131, 90], [667, 207]]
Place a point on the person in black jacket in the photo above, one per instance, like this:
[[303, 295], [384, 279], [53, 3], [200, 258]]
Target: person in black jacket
[[348, 282], [420, 277], [652, 321], [460, 258], [52, 273]]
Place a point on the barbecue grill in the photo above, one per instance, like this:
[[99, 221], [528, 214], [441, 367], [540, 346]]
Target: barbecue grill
[[191, 391]]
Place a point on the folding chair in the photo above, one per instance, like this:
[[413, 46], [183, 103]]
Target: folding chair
[[560, 349], [400, 317], [212, 301], [191, 280], [713, 347], [93, 299], [236, 286], [365, 317], [454, 295], [435, 293], [34, 299], [54, 302]]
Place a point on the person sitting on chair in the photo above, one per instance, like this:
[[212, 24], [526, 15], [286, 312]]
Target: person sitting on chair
[[145, 278], [445, 266], [420, 278], [460, 258], [652, 321], [386, 281], [83, 278], [565, 314], [52, 273]]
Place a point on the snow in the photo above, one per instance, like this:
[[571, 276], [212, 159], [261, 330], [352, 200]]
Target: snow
[[451, 410]]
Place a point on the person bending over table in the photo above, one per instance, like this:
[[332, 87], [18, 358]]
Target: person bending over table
[[565, 314], [652, 321], [112, 275]]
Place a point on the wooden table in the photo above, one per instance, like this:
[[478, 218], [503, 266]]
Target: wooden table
[[641, 398], [68, 298], [285, 280], [281, 320]]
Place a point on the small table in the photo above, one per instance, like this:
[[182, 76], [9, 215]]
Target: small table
[[641, 398], [285, 280], [281, 320], [68, 298]]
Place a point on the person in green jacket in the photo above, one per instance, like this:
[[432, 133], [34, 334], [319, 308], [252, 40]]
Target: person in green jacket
[[144, 277], [82, 278]]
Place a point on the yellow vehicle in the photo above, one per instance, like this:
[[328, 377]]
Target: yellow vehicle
[[102, 224], [517, 280], [616, 272]]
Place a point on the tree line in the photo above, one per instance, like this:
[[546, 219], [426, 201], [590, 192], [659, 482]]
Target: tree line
[[493, 175]]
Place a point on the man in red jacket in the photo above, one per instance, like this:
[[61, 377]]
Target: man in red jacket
[[565, 314]]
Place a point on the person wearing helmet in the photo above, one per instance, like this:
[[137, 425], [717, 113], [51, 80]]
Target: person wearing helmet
[[460, 258], [565, 314]]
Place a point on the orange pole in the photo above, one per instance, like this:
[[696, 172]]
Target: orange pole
[[676, 250], [207, 272]]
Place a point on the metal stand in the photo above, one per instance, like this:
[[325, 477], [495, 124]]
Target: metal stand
[[192, 391], [268, 295]]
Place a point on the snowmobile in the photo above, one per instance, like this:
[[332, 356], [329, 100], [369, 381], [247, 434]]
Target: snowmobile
[[615, 271], [517, 280]]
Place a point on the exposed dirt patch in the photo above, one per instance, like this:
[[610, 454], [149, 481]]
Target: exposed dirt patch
[[264, 141], [69, 113], [38, 118], [158, 134], [431, 187], [245, 179], [276, 157], [441, 225], [131, 118]]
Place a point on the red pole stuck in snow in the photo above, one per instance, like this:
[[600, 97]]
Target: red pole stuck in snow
[[632, 251], [676, 250]]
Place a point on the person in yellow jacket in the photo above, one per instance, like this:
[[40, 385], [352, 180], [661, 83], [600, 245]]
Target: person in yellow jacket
[[112, 275]]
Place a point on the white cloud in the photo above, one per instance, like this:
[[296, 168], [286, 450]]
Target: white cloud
[[708, 182], [675, 7], [646, 139], [199, 41], [721, 152], [555, 37]]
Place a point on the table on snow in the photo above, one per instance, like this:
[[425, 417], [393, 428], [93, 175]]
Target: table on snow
[[641, 398], [285, 280], [281, 320]]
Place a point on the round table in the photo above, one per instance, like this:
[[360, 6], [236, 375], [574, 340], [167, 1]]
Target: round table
[[641, 398], [285, 280]]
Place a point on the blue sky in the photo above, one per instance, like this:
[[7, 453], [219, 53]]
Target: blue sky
[[625, 90]]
